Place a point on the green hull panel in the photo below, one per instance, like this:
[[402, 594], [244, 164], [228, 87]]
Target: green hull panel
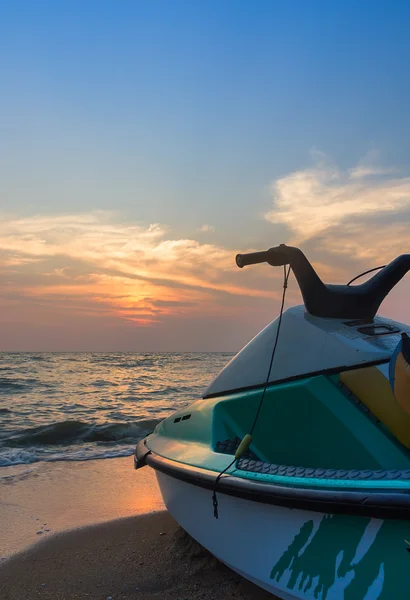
[[309, 423], [368, 558]]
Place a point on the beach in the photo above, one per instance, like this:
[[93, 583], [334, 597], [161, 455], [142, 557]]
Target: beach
[[99, 530]]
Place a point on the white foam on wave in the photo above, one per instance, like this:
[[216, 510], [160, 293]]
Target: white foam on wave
[[17, 456]]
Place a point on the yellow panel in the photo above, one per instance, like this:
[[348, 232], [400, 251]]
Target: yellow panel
[[372, 388], [402, 382]]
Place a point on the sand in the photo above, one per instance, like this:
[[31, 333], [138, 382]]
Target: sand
[[39, 500], [145, 556]]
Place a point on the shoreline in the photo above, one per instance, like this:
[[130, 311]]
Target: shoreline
[[44, 498], [96, 530]]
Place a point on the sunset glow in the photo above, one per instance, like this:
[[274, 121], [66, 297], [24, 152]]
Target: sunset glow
[[136, 162]]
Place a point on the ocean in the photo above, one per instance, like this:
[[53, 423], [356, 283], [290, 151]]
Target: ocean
[[83, 406]]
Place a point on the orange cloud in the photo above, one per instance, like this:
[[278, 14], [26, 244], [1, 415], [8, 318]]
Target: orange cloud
[[96, 264], [96, 272]]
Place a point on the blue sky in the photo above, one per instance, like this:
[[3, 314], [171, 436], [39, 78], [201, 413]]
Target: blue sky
[[188, 114]]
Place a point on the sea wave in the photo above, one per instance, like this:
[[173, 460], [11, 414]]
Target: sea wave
[[116, 362], [10, 385], [73, 441], [69, 432], [16, 456], [83, 406]]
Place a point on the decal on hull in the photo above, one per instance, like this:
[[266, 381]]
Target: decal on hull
[[348, 558]]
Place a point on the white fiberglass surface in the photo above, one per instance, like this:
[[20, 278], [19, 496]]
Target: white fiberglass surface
[[306, 345], [256, 540]]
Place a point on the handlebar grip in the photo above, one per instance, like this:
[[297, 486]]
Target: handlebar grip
[[277, 256], [251, 258]]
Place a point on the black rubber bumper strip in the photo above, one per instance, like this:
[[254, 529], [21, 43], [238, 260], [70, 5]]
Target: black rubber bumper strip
[[376, 503], [141, 452]]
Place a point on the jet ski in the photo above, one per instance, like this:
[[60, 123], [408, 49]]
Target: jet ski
[[294, 467]]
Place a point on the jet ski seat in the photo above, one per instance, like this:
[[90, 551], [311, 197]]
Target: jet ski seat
[[375, 391]]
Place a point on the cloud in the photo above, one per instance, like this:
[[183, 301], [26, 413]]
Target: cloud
[[98, 273], [207, 229], [359, 214], [96, 264], [368, 171]]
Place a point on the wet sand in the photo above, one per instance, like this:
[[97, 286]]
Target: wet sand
[[145, 556], [39, 500]]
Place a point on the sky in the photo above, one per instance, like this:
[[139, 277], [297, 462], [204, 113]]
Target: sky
[[144, 143]]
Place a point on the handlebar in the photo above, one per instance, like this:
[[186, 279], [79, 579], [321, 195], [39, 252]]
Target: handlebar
[[332, 301], [274, 256], [251, 258]]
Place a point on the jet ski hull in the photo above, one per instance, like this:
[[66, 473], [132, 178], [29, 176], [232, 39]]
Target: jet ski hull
[[294, 553], [318, 505]]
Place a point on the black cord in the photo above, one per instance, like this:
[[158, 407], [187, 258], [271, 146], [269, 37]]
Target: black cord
[[365, 273], [214, 498], [285, 285]]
